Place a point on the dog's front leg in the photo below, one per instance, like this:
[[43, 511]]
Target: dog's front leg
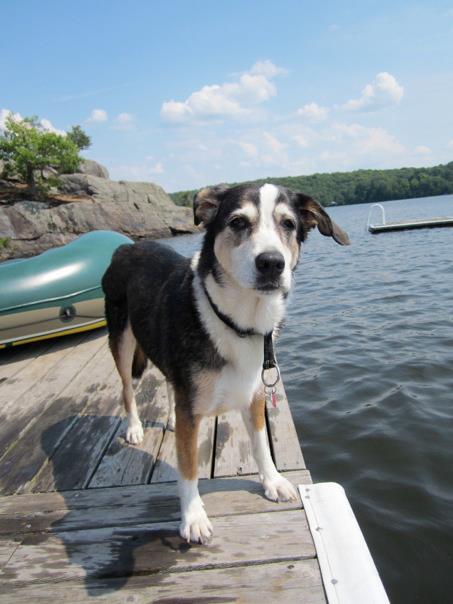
[[276, 486], [195, 524]]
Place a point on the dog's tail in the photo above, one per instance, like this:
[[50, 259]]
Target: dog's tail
[[139, 363]]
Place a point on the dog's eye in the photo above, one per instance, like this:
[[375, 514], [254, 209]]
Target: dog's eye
[[239, 223], [289, 224]]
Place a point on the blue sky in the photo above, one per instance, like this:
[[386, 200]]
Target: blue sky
[[195, 92]]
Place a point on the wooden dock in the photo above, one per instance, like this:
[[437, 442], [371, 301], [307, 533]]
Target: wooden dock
[[85, 517], [428, 223]]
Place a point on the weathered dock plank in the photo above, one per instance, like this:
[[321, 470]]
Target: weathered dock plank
[[116, 551], [124, 464], [95, 508], [32, 452], [282, 582], [93, 518], [14, 359], [233, 454], [17, 416], [74, 462], [285, 442], [166, 463], [13, 390], [7, 549], [165, 467]]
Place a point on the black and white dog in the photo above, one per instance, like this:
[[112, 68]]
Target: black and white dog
[[202, 322]]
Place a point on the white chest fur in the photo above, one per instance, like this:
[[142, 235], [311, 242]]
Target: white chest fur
[[234, 385]]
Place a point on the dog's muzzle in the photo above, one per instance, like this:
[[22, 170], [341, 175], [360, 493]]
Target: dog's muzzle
[[269, 266]]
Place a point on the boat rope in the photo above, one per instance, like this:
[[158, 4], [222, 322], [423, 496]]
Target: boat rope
[[32, 323], [46, 300]]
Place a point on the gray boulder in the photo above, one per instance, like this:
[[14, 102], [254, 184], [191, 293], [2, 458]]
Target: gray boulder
[[139, 210], [93, 168]]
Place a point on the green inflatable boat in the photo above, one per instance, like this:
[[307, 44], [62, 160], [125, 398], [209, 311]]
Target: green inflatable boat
[[58, 292]]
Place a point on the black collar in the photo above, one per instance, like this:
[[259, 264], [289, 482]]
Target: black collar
[[269, 356]]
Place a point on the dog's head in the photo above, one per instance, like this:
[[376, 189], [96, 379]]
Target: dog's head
[[256, 231]]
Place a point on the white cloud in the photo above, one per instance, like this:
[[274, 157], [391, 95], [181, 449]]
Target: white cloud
[[378, 140], [230, 99], [422, 150], [369, 141], [372, 141], [382, 92], [49, 127], [450, 144], [98, 115], [4, 114], [313, 112], [267, 69], [43, 124]]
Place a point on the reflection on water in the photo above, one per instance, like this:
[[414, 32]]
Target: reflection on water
[[367, 360]]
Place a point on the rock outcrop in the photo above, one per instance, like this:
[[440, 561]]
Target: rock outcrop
[[93, 168], [137, 209]]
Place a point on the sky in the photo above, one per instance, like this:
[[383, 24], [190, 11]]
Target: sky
[[190, 93]]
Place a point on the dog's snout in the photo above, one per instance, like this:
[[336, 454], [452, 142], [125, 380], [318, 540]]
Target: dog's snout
[[270, 264]]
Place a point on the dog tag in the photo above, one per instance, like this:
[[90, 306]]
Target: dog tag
[[271, 396]]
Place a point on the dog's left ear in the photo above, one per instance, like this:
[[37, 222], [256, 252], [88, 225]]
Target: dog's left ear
[[206, 204], [314, 215]]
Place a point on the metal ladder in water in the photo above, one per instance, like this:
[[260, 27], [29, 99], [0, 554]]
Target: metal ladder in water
[[375, 205]]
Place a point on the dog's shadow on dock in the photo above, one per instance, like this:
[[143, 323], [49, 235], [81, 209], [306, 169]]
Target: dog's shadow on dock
[[115, 536]]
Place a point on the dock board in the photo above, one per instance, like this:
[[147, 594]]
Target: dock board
[[408, 225], [86, 517]]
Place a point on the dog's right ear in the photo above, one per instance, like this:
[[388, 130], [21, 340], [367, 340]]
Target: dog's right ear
[[206, 204]]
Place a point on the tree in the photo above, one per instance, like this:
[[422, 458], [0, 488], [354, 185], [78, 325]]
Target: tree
[[79, 137], [27, 150]]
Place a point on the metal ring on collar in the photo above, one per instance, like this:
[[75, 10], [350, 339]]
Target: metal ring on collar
[[277, 378]]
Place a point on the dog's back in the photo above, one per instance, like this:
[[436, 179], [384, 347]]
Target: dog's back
[[148, 289], [130, 263]]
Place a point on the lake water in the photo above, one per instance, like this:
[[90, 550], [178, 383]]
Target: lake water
[[367, 363]]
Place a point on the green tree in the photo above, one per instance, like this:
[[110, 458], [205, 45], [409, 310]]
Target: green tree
[[27, 150], [79, 137]]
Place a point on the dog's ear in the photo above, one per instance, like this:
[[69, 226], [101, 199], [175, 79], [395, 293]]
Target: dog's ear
[[206, 204], [314, 215]]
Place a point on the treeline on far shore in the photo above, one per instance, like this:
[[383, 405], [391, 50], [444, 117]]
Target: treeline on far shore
[[360, 186]]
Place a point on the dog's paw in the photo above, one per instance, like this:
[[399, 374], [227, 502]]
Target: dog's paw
[[134, 432], [278, 488], [195, 525]]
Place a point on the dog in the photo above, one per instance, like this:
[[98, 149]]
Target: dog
[[208, 323]]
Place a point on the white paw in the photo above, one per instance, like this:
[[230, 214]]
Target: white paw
[[279, 488], [195, 525], [134, 432]]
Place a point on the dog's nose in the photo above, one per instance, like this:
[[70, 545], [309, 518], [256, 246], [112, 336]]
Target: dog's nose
[[270, 264]]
